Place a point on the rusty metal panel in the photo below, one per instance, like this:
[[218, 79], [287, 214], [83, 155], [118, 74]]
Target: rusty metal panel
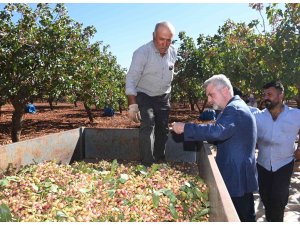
[[124, 144], [179, 151], [59, 146], [97, 143], [221, 206], [113, 143]]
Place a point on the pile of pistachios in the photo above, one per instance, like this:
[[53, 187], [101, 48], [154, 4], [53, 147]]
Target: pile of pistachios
[[104, 191]]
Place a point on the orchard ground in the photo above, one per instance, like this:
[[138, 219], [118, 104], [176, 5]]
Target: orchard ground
[[66, 116]]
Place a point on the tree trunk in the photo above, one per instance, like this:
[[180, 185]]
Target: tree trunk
[[75, 104], [198, 107], [298, 97], [17, 119], [50, 101], [89, 112], [1, 104], [120, 108], [120, 103], [192, 106], [203, 106]]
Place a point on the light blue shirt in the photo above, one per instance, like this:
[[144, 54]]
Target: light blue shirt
[[149, 72], [276, 139]]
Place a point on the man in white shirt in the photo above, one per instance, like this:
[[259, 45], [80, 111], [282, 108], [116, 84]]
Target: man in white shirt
[[277, 128], [148, 87]]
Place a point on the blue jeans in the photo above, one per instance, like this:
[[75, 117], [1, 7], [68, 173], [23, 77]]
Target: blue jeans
[[154, 129]]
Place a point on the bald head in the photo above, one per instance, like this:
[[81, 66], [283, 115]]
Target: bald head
[[164, 24]]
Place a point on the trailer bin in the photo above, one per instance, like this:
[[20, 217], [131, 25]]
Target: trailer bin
[[111, 143]]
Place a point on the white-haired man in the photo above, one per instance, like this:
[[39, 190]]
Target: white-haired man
[[234, 134]]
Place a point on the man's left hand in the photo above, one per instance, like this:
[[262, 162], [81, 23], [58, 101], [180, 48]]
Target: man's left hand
[[178, 128]]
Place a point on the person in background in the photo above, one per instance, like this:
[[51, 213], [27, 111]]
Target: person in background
[[252, 101], [277, 128], [234, 134], [148, 88], [237, 91]]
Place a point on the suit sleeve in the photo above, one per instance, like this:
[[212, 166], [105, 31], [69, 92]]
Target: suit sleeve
[[223, 129]]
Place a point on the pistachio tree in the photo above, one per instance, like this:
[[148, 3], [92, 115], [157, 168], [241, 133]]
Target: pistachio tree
[[46, 54], [189, 73]]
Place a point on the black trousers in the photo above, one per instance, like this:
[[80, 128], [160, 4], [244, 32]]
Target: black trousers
[[154, 129], [244, 207], [274, 190]]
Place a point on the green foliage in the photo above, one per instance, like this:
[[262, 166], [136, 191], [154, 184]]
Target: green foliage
[[46, 54], [5, 214], [187, 81], [248, 56]]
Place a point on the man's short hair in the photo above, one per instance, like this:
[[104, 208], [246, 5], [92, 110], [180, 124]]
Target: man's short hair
[[275, 84]]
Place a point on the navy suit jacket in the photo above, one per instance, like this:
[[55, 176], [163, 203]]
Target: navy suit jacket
[[234, 134]]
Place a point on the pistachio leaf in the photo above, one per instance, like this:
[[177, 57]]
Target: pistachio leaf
[[141, 169], [5, 214], [187, 184], [35, 187], [13, 178], [173, 211], [111, 192], [54, 188], [114, 166], [198, 193], [48, 184], [200, 214], [170, 195], [84, 190], [4, 183], [155, 199], [123, 178], [154, 168], [61, 214]]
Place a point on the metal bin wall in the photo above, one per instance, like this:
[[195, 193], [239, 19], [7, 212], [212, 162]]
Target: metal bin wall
[[103, 143]]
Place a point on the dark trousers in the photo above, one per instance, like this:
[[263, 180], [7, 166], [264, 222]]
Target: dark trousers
[[244, 207], [154, 129], [274, 190]]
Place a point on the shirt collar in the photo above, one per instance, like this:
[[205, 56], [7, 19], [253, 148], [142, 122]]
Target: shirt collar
[[236, 97], [283, 112]]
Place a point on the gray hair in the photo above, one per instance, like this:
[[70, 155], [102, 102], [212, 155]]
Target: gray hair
[[164, 24], [219, 80]]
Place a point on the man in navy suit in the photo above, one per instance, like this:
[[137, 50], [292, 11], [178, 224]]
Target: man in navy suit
[[234, 134]]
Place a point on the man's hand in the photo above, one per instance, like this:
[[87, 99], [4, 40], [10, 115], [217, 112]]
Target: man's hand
[[178, 128], [134, 113]]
